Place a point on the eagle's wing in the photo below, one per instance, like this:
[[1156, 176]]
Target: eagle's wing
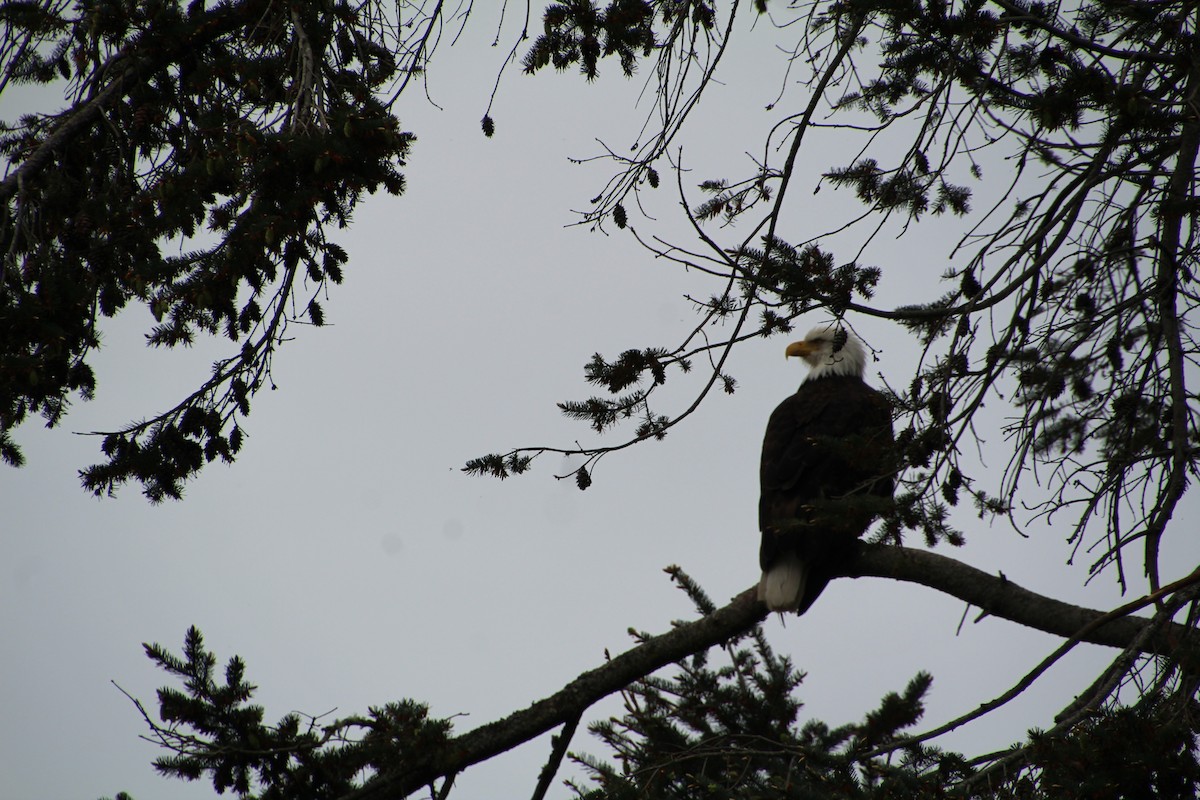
[[833, 437], [791, 456]]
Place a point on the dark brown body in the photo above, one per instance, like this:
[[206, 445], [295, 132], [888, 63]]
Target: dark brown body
[[827, 459]]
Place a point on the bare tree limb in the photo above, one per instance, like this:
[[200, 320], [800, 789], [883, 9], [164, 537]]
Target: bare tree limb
[[995, 594], [1002, 598], [561, 742]]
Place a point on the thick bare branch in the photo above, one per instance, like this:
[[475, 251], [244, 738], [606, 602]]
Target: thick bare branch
[[1000, 597], [995, 594]]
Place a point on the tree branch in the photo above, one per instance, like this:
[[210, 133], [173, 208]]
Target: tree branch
[[561, 742], [1000, 597], [76, 122], [994, 594]]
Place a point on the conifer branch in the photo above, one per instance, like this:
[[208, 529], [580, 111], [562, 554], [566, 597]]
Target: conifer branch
[[1026, 15], [216, 23], [994, 594], [543, 716], [560, 744]]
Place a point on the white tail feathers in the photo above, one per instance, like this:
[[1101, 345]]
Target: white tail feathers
[[782, 585]]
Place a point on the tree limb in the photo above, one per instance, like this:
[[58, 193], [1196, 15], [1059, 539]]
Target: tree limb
[[994, 594], [561, 742], [519, 727], [1000, 597], [215, 23]]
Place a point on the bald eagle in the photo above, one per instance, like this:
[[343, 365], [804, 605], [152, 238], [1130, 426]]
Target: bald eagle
[[826, 470]]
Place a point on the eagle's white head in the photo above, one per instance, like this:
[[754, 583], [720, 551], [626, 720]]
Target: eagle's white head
[[831, 350]]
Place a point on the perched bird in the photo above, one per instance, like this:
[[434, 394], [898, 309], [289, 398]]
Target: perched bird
[[827, 470]]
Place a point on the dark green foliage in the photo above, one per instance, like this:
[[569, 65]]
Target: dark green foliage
[[602, 413], [498, 466], [806, 277], [205, 155], [904, 189], [216, 733], [1125, 753], [929, 321], [630, 369], [734, 730], [913, 511], [579, 32], [730, 202], [715, 725]]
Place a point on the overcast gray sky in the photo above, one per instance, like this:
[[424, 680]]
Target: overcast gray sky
[[350, 562]]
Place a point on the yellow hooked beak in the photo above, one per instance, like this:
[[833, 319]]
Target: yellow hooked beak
[[798, 349]]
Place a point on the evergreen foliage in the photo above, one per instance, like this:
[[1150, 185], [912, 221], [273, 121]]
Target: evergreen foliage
[[727, 723], [734, 729], [206, 155], [214, 732], [580, 33], [1127, 752]]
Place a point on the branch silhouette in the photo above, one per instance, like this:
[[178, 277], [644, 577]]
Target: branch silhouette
[[994, 594]]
